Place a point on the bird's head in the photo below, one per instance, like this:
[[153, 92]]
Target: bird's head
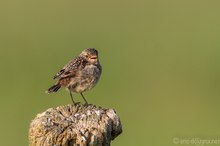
[[90, 54]]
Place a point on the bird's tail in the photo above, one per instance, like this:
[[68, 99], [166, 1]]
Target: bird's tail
[[54, 88]]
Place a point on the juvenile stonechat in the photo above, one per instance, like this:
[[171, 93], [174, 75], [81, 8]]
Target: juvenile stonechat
[[80, 74]]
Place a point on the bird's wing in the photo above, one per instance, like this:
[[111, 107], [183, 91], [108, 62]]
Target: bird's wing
[[70, 68]]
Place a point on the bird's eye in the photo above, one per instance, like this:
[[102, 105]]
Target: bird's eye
[[87, 56]]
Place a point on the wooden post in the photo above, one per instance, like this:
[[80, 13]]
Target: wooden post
[[79, 125]]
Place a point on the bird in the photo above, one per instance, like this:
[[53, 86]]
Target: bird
[[79, 75]]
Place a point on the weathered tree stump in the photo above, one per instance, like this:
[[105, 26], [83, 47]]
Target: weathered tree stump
[[79, 125]]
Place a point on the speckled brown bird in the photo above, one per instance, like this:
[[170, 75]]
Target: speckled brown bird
[[80, 74]]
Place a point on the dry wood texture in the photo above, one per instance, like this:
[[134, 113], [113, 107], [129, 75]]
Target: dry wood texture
[[79, 125]]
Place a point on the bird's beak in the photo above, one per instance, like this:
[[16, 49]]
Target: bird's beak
[[93, 57]]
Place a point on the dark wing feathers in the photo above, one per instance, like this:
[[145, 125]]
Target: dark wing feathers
[[59, 73], [70, 68]]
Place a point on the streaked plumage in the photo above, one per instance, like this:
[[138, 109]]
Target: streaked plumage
[[80, 74]]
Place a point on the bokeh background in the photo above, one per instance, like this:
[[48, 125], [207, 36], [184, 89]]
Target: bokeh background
[[161, 64]]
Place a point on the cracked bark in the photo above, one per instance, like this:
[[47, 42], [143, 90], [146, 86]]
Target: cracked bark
[[79, 125]]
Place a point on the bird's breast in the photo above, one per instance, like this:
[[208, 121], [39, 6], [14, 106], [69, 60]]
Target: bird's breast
[[86, 79], [92, 72]]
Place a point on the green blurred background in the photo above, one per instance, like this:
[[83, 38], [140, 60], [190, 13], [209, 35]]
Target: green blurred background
[[160, 63]]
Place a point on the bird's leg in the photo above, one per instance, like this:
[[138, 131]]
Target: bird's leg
[[84, 98], [72, 97]]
